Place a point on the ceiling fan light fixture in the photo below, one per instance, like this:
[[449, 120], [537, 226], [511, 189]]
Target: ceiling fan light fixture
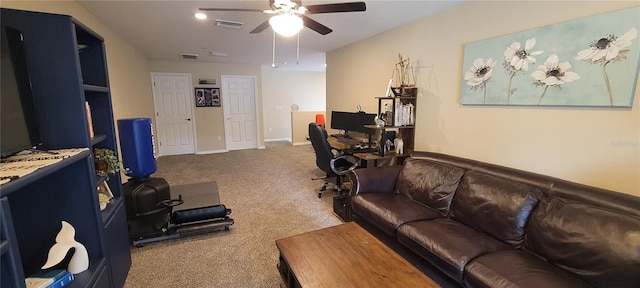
[[286, 24]]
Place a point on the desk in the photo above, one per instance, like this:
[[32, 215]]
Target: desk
[[392, 158], [338, 145], [365, 157]]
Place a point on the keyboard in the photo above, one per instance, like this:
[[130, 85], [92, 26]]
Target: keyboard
[[338, 136], [361, 148]]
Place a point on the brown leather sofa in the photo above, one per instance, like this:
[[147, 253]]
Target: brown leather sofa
[[473, 224]]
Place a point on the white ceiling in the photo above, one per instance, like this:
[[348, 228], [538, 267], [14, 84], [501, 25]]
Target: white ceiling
[[165, 29]]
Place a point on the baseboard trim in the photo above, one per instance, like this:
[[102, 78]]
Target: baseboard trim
[[301, 143], [212, 152], [277, 140]]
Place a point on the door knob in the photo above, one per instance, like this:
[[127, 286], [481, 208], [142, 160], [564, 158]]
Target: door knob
[[188, 119]]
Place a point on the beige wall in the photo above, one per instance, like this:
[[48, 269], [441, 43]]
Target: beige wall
[[594, 146], [282, 89], [209, 122], [300, 126], [128, 69]]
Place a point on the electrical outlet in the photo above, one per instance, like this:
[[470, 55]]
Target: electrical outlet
[[219, 138]]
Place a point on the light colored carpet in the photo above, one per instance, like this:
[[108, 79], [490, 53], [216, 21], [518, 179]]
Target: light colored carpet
[[271, 195]]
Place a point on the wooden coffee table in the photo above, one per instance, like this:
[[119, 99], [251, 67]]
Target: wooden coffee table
[[344, 256]]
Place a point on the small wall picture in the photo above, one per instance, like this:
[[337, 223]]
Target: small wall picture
[[207, 97], [104, 195]]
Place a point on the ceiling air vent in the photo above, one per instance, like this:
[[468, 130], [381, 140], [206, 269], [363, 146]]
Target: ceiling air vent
[[229, 24], [189, 56], [219, 54]]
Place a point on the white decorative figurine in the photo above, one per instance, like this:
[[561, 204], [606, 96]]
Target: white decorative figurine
[[399, 144], [379, 122], [65, 241]]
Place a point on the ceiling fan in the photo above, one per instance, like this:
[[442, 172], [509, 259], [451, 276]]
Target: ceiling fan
[[290, 15]]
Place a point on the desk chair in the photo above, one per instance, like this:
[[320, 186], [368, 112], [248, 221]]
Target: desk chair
[[333, 165], [320, 119]]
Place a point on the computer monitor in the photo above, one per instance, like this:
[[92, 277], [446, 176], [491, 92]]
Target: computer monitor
[[366, 119], [18, 118], [351, 121]]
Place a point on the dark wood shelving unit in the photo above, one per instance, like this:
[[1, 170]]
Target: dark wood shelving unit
[[67, 66], [404, 132]]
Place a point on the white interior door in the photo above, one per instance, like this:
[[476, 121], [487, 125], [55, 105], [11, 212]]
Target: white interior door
[[239, 106], [174, 113]]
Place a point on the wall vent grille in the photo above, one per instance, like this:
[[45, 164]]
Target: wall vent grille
[[189, 56], [229, 24]]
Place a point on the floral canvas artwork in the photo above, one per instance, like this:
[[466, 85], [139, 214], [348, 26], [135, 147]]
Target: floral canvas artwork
[[591, 61]]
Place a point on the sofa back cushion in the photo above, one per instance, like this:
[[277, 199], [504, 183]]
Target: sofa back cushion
[[430, 183], [496, 206], [601, 246]]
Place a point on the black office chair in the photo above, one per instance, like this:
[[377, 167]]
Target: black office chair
[[333, 165]]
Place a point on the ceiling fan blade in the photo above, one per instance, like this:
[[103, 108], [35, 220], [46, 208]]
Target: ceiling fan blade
[[260, 27], [337, 7], [231, 9], [315, 25]]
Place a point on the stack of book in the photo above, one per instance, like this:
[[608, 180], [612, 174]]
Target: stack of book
[[49, 279], [89, 119]]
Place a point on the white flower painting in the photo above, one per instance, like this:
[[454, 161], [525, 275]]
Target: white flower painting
[[592, 61], [518, 59], [606, 50], [553, 73], [479, 73]]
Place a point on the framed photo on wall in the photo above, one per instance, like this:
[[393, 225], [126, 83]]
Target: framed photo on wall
[[104, 195], [208, 97]]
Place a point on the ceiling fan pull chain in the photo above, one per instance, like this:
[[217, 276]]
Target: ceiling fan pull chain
[[273, 60], [298, 50]]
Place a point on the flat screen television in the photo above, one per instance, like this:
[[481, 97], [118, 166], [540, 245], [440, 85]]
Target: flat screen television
[[18, 119], [351, 121]]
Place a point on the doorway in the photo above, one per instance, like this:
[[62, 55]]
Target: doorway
[[239, 98], [173, 104]]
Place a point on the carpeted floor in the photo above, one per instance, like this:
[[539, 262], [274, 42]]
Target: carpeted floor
[[271, 195]]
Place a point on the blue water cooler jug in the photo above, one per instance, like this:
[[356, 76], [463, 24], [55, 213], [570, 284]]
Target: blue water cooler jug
[[136, 144]]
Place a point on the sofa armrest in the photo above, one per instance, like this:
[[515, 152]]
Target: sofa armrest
[[374, 180], [371, 180]]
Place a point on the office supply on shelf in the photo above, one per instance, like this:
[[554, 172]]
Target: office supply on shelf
[[27, 161], [49, 279], [89, 119], [62, 282]]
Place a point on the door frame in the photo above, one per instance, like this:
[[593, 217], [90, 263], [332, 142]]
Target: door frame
[[191, 107], [225, 99]]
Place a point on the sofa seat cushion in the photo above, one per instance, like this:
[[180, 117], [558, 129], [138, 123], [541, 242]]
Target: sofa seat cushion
[[496, 206], [599, 245], [516, 268], [430, 183], [447, 244], [388, 211]]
